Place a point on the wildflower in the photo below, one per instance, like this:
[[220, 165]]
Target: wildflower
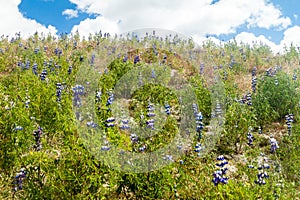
[[167, 109], [20, 176], [37, 135], [136, 59], [219, 175], [274, 144]]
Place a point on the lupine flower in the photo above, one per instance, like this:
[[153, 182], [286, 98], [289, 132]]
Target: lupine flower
[[294, 77], [43, 74], [70, 69], [219, 175], [37, 135], [125, 59], [34, 68], [134, 138], [249, 99], [153, 74], [78, 90], [164, 59], [250, 139], [289, 119], [59, 89], [218, 110], [125, 124], [274, 144], [254, 71], [110, 99], [201, 68], [168, 157], [168, 109], [91, 124], [198, 149], [20, 176], [136, 59], [253, 84], [36, 50], [262, 174], [142, 148], [98, 96], [18, 128], [199, 125], [93, 59]]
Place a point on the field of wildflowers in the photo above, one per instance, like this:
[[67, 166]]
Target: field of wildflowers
[[56, 92]]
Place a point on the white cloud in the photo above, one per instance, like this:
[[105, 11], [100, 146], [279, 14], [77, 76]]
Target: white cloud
[[295, 16], [70, 13], [95, 25], [251, 39], [13, 21], [291, 36], [189, 17]]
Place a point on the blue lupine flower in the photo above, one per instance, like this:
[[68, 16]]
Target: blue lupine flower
[[59, 89], [168, 109], [289, 119], [43, 74], [36, 50], [274, 144], [253, 84], [34, 68], [201, 68], [110, 99], [105, 148], [254, 71], [250, 139], [169, 158], [91, 124], [262, 174], [134, 138], [219, 174], [78, 91], [153, 74], [143, 148], [18, 128], [125, 58], [98, 96], [136, 59], [37, 135], [70, 69], [20, 176]]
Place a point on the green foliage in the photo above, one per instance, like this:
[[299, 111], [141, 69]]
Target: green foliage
[[272, 102], [66, 169]]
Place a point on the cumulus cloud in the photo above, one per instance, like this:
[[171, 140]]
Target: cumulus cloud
[[95, 25], [189, 17], [13, 21], [70, 13]]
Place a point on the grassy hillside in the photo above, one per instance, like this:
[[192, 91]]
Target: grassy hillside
[[231, 112]]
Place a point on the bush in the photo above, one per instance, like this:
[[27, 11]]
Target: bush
[[272, 102]]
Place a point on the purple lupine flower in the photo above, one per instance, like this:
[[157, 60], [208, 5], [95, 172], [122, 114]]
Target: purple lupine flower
[[37, 135], [219, 175], [274, 144], [20, 176]]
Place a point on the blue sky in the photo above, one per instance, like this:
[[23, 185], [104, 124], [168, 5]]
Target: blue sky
[[49, 12], [273, 22]]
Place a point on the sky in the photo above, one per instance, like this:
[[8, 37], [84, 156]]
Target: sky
[[275, 23]]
